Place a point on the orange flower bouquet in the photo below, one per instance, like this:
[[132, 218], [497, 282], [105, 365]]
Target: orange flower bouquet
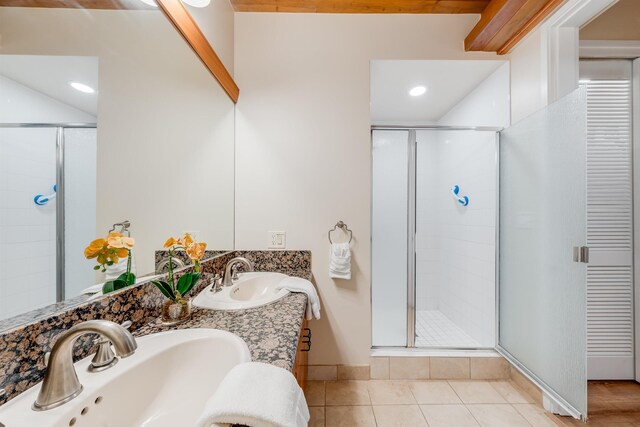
[[109, 251], [177, 308]]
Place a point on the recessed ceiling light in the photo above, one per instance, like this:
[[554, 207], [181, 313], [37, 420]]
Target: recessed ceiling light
[[82, 87], [418, 90]]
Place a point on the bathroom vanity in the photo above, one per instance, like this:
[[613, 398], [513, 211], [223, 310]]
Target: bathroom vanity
[[274, 333]]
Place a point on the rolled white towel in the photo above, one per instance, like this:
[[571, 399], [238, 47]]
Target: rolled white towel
[[257, 395], [114, 271], [297, 284], [340, 261]]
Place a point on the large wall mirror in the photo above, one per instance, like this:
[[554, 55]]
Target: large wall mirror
[[106, 116]]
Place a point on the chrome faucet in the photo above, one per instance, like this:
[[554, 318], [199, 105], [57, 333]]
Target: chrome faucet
[[230, 276], [61, 383]]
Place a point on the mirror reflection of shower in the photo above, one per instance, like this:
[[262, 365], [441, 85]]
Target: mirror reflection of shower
[[47, 178]]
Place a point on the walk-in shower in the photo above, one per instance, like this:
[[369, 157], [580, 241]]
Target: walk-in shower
[[47, 212], [434, 203]]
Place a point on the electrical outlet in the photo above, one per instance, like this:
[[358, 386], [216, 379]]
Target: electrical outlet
[[277, 239]]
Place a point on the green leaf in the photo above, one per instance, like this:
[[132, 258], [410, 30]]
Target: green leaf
[[184, 283], [129, 278], [108, 287], [119, 284], [192, 283], [165, 289]]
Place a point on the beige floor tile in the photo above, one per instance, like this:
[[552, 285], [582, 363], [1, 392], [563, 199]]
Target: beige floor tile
[[476, 392], [510, 393], [399, 416], [349, 416], [379, 368], [317, 416], [353, 372], [434, 392], [450, 368], [390, 393], [346, 393], [314, 393], [448, 416], [497, 416], [536, 416], [409, 368]]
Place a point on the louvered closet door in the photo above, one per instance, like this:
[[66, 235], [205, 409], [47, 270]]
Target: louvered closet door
[[610, 336]]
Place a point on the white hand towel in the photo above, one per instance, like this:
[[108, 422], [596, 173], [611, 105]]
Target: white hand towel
[[297, 284], [257, 395], [114, 271], [340, 261]]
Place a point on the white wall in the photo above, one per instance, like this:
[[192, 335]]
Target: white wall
[[216, 23], [304, 146], [165, 130], [28, 168], [529, 76]]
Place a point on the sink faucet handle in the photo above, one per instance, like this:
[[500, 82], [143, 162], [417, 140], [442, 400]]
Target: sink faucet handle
[[216, 283], [105, 357]]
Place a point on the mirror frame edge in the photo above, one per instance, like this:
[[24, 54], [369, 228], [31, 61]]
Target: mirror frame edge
[[182, 20]]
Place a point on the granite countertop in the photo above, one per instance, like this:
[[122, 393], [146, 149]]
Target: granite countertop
[[271, 331]]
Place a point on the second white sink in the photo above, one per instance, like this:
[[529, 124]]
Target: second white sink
[[250, 290]]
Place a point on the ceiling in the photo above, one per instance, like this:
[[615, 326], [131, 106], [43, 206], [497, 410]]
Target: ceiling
[[620, 22], [502, 23], [51, 75], [448, 82], [361, 6]]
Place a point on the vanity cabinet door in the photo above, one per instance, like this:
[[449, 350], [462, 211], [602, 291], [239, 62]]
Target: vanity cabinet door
[[302, 354]]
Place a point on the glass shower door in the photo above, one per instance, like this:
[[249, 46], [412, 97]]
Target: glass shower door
[[542, 290], [390, 196], [27, 222]]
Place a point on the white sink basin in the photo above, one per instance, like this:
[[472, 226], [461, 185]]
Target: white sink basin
[[250, 290], [165, 383]]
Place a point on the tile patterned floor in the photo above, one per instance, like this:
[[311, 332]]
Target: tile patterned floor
[[434, 329], [407, 403]]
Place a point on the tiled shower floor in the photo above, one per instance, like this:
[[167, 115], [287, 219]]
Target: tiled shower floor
[[434, 329]]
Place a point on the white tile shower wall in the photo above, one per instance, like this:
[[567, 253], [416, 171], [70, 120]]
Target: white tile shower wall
[[455, 259], [27, 168], [456, 245]]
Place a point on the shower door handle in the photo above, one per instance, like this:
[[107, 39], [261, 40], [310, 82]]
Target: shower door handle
[[581, 254]]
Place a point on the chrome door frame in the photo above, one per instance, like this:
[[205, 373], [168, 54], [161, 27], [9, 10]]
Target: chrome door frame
[[411, 228]]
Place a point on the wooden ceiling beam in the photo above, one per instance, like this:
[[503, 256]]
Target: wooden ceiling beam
[[80, 4], [505, 22], [360, 6]]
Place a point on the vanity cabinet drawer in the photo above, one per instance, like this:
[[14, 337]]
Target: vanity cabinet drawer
[[302, 354]]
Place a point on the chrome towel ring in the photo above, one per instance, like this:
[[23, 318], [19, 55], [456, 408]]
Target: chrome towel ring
[[344, 228]]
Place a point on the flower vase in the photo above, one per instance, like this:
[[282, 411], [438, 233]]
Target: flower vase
[[176, 312]]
